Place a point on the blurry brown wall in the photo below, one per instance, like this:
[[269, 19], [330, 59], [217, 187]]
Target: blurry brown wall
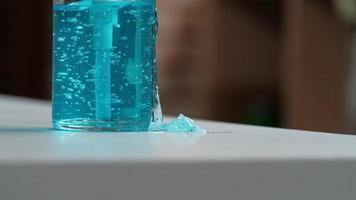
[[224, 60], [25, 48], [314, 66], [279, 63], [224, 63]]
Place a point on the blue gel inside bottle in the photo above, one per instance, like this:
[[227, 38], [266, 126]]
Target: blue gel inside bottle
[[104, 66]]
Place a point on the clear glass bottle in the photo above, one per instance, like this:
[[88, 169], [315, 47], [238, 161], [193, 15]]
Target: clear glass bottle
[[104, 65]]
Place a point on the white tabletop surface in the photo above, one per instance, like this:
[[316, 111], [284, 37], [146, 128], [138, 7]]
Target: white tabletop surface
[[26, 123], [300, 163]]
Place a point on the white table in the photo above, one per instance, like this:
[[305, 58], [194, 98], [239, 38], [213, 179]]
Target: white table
[[232, 162]]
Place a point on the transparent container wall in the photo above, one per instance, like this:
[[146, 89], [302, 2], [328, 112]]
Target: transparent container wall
[[104, 65]]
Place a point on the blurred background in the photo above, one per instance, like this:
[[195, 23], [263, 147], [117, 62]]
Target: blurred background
[[282, 63]]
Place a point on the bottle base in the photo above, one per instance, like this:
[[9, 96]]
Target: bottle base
[[91, 125]]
